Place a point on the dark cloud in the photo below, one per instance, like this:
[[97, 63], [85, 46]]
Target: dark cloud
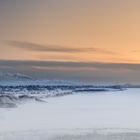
[[54, 48], [56, 64], [95, 71]]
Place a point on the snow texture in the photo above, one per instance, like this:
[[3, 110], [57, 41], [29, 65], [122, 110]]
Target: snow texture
[[107, 115]]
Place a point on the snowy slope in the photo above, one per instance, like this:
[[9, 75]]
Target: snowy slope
[[12, 95], [99, 116]]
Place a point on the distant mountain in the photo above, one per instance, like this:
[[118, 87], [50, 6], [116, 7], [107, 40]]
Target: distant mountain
[[13, 77]]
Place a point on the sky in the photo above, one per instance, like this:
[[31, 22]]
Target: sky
[[87, 40]]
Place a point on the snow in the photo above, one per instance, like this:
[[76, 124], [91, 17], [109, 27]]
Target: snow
[[98, 115], [26, 81]]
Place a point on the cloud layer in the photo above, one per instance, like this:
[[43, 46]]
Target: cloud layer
[[96, 72], [54, 48], [55, 64]]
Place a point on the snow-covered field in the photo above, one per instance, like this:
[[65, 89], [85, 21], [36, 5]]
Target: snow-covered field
[[108, 115]]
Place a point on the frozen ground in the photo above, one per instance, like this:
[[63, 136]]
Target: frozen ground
[[108, 115]]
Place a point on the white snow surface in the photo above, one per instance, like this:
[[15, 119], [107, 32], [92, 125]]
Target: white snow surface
[[99, 116]]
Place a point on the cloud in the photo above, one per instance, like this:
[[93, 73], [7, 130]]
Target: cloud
[[57, 64], [94, 71], [135, 51], [54, 48]]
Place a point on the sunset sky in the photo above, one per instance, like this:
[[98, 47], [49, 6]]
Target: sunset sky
[[90, 40]]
